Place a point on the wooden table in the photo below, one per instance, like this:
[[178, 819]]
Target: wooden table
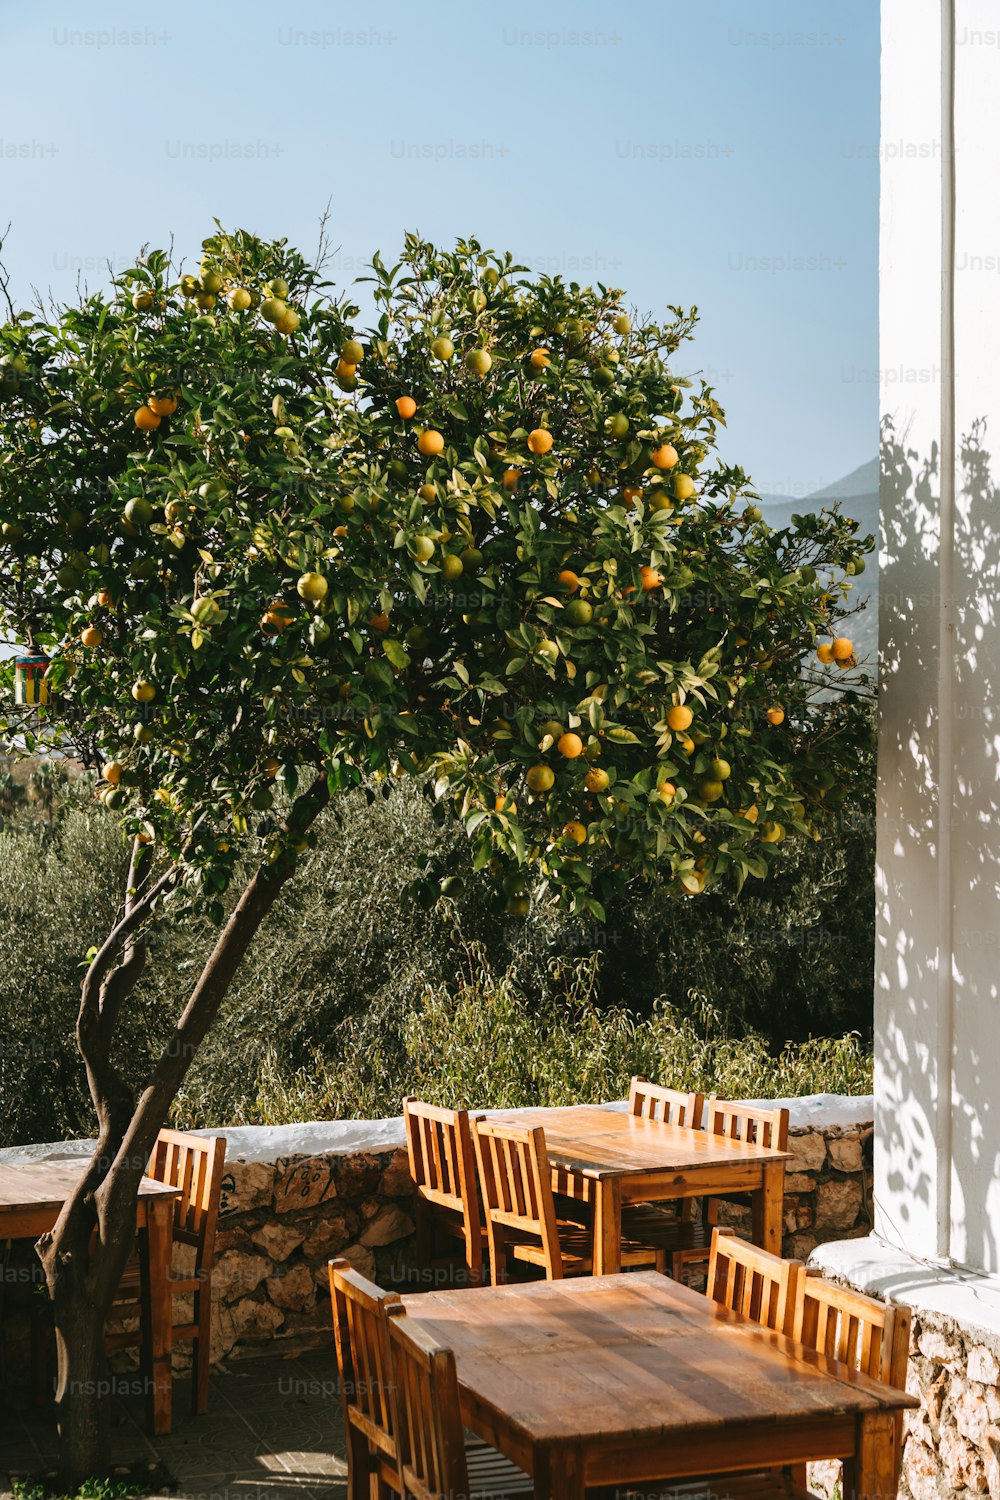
[[31, 1197], [607, 1158], [635, 1378]]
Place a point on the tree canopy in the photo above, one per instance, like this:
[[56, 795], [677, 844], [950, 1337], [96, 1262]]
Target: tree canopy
[[487, 538]]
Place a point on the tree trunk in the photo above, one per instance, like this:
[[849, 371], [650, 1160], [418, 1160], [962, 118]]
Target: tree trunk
[[85, 1253]]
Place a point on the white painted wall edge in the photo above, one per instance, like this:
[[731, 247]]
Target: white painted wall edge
[[268, 1143]]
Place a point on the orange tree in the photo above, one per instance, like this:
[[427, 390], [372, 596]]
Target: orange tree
[[486, 542]]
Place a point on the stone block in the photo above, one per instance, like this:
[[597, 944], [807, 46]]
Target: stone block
[[388, 1225], [983, 1365], [357, 1175], [941, 1347], [808, 1151], [246, 1185], [294, 1290], [396, 1181], [845, 1153], [237, 1275], [327, 1238], [838, 1202], [361, 1258], [277, 1240], [303, 1186]]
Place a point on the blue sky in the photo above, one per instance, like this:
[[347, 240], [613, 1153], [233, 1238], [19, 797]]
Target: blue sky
[[716, 153]]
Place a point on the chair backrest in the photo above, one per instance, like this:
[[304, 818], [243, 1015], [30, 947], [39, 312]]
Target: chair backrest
[[442, 1160], [360, 1328], [753, 1282], [195, 1164], [516, 1185], [432, 1462], [860, 1331], [743, 1122], [651, 1101]]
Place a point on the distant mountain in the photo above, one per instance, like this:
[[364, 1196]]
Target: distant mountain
[[857, 496]]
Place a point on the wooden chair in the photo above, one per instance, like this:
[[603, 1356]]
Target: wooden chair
[[737, 1122], [364, 1361], [515, 1183], [435, 1461], [195, 1164], [672, 1227], [443, 1167], [859, 1331], [753, 1282]]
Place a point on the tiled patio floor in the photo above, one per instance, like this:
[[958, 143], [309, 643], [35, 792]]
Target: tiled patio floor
[[273, 1430]]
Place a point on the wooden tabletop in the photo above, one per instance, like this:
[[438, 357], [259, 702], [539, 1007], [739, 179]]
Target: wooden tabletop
[[623, 1357], [45, 1186], [605, 1143]]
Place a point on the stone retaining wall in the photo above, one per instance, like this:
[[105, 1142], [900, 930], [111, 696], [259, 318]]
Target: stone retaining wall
[[281, 1221]]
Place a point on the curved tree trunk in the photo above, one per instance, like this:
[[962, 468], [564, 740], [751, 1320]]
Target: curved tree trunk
[[85, 1253]]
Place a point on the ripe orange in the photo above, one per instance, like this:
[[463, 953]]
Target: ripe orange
[[776, 716], [567, 579], [146, 419], [380, 624], [667, 792], [773, 833], [575, 831], [842, 648], [105, 599], [541, 359], [631, 494], [406, 406], [751, 813], [570, 745], [540, 778], [163, 406], [276, 617], [665, 456], [540, 440], [510, 478], [427, 492], [651, 579], [345, 371], [597, 780], [825, 653], [143, 691], [430, 443], [112, 772], [679, 718], [91, 637], [271, 768]]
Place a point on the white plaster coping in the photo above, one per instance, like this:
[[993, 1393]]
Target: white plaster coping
[[968, 1298], [341, 1137]]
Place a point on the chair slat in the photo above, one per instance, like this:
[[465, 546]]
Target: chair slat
[[751, 1281], [652, 1101]]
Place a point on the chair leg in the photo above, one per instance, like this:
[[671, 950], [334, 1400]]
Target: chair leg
[[202, 1350]]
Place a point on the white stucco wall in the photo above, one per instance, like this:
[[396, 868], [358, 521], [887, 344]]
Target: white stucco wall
[[937, 1162]]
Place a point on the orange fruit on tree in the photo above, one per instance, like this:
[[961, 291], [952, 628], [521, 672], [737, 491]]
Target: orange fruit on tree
[[541, 359], [163, 406], [427, 492], [352, 352], [143, 691], [631, 495], [345, 371], [679, 718], [570, 745], [276, 617], [146, 419], [271, 768], [430, 443], [575, 831], [825, 652], [567, 579], [597, 780], [380, 624], [666, 792], [776, 716], [540, 440], [105, 599], [406, 406], [842, 648], [91, 636], [112, 772], [665, 457], [651, 579], [510, 478], [540, 778], [683, 486]]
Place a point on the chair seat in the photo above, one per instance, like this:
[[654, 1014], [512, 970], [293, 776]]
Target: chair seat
[[650, 1225], [491, 1475], [576, 1245]]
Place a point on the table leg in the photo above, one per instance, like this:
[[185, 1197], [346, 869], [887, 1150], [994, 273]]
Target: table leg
[[874, 1467], [768, 1207], [159, 1250], [558, 1474], [608, 1227]]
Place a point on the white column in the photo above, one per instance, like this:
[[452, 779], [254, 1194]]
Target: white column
[[937, 1018]]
